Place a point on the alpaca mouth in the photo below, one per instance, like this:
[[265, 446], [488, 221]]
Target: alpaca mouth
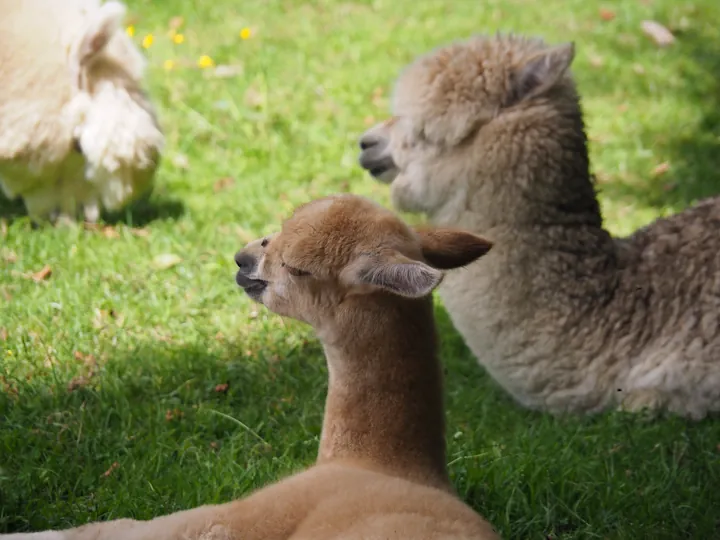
[[252, 287], [382, 170]]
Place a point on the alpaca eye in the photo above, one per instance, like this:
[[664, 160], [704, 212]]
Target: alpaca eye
[[295, 271]]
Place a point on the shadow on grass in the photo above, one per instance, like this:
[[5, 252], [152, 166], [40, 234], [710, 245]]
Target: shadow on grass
[[137, 214], [156, 430]]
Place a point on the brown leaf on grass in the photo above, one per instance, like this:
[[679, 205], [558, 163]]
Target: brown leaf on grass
[[225, 71], [172, 414], [114, 466], [3, 334], [255, 98], [5, 294], [142, 233], [109, 232], [42, 275], [9, 257], [78, 382], [87, 359], [7, 387], [176, 22], [3, 227], [639, 69], [661, 169], [596, 60], [658, 33], [181, 161], [220, 336], [606, 14], [214, 445], [165, 261], [224, 183], [222, 388]]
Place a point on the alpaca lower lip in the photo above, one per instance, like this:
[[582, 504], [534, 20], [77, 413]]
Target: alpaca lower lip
[[250, 286]]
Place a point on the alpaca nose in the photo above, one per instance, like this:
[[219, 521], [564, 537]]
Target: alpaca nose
[[368, 142], [246, 262]]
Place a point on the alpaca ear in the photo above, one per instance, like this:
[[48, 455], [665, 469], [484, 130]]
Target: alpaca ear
[[541, 71], [394, 273], [100, 29], [447, 248]]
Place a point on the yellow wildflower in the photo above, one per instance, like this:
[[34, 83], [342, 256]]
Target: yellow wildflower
[[178, 38], [245, 33], [168, 65], [147, 41], [205, 61], [130, 31]]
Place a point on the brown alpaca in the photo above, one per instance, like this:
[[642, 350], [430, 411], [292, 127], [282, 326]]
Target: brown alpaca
[[488, 135], [362, 279]]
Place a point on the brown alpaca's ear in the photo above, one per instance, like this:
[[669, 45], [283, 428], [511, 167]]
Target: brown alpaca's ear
[[446, 248], [394, 273], [540, 72]]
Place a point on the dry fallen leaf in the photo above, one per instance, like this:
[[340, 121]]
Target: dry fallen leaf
[[623, 107], [166, 260], [596, 60], [254, 98], [3, 227], [3, 334], [140, 232], [222, 388], [227, 71], [639, 69], [172, 414], [42, 275], [109, 232], [607, 14], [176, 22], [224, 183], [10, 257], [181, 161], [661, 169], [111, 469], [78, 382], [658, 33]]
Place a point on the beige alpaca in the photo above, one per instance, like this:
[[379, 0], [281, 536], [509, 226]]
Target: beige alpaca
[[488, 135], [362, 279], [77, 132]]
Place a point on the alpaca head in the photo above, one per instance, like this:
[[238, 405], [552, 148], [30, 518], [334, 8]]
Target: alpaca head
[[340, 246], [115, 127], [462, 112]]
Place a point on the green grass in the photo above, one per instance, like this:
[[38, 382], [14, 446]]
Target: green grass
[[285, 129]]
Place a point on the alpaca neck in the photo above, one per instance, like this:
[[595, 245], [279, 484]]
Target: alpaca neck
[[384, 407], [536, 185]]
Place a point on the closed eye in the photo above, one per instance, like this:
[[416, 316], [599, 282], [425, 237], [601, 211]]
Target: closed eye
[[295, 271]]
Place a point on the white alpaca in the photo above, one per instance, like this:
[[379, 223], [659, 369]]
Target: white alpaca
[[77, 131], [488, 135]]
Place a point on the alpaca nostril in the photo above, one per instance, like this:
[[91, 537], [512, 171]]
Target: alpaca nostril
[[245, 262], [365, 144]]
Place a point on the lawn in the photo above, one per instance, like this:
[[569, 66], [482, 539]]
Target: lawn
[[136, 380]]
